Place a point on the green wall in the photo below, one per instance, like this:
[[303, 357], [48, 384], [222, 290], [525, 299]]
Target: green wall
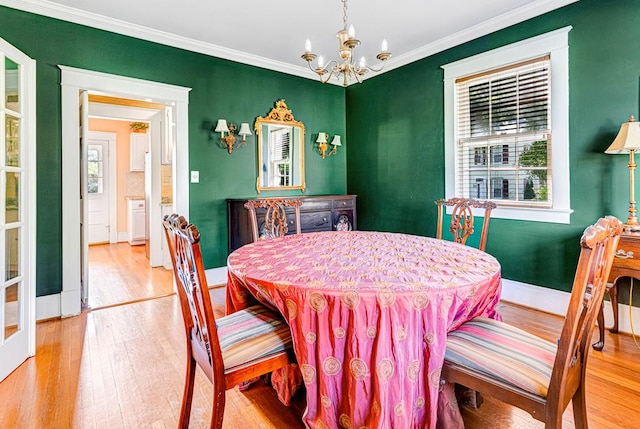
[[220, 89], [396, 139]]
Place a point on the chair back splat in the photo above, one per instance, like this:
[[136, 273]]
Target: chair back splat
[[225, 356], [462, 226], [275, 217], [531, 373]]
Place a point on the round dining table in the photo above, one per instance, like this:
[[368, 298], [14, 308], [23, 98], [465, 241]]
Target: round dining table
[[369, 314]]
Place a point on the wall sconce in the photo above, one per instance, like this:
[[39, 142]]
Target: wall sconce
[[229, 140], [323, 146]]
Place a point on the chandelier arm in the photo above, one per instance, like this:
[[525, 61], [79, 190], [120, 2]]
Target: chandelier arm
[[358, 76], [329, 76], [384, 63]]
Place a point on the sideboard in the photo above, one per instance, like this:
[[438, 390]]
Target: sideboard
[[317, 213]]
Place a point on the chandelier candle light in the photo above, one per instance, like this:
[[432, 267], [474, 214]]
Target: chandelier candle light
[[347, 70]]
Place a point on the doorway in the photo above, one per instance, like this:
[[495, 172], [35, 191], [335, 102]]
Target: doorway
[[120, 193], [74, 82]]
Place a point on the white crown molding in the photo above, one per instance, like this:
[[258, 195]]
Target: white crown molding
[[489, 26], [89, 19], [65, 13]]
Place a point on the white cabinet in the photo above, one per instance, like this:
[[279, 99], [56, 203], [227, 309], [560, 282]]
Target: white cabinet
[[139, 146], [137, 222]]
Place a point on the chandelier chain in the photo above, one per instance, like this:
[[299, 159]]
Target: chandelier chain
[[344, 14]]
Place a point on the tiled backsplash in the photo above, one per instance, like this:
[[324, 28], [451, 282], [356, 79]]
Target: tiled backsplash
[[134, 184]]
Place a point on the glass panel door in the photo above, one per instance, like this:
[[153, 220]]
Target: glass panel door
[[17, 294]]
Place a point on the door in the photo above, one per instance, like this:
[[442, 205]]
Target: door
[[161, 133], [83, 114], [17, 208], [100, 186]]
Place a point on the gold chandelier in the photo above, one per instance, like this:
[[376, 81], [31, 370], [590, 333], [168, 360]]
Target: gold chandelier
[[346, 70]]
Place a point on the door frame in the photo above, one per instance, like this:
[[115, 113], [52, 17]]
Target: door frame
[[73, 80], [111, 182]]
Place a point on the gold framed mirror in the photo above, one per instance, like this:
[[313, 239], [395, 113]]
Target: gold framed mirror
[[280, 150]]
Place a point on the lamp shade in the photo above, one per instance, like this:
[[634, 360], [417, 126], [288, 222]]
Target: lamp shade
[[336, 141], [628, 138], [322, 138], [221, 126], [244, 129]]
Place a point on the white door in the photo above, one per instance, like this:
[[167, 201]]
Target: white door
[[161, 133], [17, 208], [99, 186], [83, 115]]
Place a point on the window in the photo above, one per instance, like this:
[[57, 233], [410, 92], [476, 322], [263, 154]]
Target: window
[[280, 156], [95, 180], [506, 119]]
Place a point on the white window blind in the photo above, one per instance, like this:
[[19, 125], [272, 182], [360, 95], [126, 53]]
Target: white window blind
[[503, 130], [280, 155]]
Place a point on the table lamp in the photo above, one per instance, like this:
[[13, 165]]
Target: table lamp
[[628, 141]]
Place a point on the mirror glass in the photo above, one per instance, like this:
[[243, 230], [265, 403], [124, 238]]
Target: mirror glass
[[280, 150]]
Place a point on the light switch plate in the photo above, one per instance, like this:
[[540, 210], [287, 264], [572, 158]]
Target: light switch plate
[[195, 177]]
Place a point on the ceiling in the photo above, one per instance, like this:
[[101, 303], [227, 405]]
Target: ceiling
[[272, 34]]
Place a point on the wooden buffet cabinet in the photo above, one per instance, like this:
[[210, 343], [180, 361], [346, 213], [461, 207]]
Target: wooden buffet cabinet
[[317, 213]]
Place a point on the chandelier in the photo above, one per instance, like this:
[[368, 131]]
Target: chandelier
[[347, 70]]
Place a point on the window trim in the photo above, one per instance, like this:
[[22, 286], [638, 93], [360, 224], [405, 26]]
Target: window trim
[[556, 44]]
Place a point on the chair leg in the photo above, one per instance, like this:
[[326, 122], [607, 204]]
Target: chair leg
[[580, 409], [599, 345], [613, 297], [187, 396], [217, 408]]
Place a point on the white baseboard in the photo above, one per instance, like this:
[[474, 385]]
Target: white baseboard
[[48, 306], [216, 276], [123, 236], [556, 302]]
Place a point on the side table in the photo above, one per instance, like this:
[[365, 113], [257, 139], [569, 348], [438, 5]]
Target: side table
[[625, 264]]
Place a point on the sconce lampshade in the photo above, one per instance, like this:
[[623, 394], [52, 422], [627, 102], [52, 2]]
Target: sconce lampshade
[[322, 138], [336, 141], [221, 126], [244, 130], [628, 138]]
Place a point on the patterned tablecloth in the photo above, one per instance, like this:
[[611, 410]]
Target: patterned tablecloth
[[369, 313]]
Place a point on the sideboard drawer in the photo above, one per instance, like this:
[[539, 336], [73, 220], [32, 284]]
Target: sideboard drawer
[[343, 203], [315, 221]]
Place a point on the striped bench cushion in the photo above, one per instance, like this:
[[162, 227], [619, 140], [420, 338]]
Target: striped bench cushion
[[503, 352], [251, 334]]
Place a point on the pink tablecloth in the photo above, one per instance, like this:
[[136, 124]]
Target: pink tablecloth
[[369, 313]]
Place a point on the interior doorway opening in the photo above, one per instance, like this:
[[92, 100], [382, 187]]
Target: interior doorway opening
[[76, 84], [121, 191]]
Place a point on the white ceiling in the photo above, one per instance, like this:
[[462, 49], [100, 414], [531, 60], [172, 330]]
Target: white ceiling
[[271, 34]]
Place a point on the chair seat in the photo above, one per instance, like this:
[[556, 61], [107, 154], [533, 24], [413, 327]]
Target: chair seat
[[251, 334], [503, 352]]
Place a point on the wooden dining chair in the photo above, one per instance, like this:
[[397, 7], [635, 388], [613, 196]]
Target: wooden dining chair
[[528, 372], [275, 218], [230, 349], [462, 218]]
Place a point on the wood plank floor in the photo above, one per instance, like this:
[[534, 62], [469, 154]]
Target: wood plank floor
[[120, 273], [123, 367]]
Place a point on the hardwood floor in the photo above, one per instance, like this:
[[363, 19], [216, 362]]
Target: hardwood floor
[[123, 367], [120, 273]]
